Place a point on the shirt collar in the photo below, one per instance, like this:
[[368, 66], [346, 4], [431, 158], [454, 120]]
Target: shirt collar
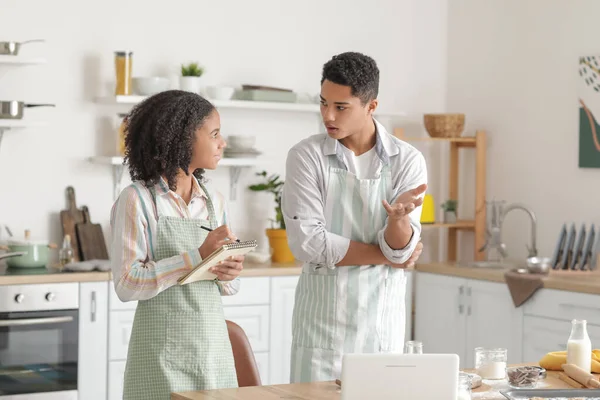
[[384, 144], [162, 188]]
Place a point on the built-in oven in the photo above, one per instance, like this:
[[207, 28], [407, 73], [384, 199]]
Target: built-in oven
[[39, 341]]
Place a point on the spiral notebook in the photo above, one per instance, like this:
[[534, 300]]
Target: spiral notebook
[[202, 273]]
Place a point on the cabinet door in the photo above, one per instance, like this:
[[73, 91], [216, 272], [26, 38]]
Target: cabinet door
[[262, 361], [440, 313], [544, 335], [119, 333], [254, 320], [93, 338], [283, 292], [116, 374], [492, 321]]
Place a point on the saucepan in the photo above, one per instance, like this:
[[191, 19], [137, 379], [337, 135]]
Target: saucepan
[[12, 48], [27, 253], [14, 109]]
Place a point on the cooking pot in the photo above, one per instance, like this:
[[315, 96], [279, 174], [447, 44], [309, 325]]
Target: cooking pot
[[36, 252], [12, 48], [14, 109]]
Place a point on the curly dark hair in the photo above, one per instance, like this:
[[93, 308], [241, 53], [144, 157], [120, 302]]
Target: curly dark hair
[[159, 134], [356, 70]]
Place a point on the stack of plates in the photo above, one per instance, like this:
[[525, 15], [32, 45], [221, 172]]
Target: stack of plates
[[241, 153]]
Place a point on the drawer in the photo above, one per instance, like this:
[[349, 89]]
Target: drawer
[[543, 335], [254, 320], [262, 362], [253, 291], [563, 305], [116, 373], [116, 304], [119, 332]]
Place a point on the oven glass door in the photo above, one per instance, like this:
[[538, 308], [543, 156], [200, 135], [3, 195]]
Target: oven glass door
[[38, 351]]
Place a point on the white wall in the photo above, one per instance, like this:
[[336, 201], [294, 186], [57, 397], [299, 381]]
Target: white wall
[[513, 69], [266, 42]]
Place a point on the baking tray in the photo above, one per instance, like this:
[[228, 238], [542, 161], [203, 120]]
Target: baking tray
[[555, 394]]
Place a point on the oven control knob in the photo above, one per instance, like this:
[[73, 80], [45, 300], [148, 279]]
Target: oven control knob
[[19, 298], [50, 296]]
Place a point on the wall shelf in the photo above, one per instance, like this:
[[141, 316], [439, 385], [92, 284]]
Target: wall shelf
[[478, 225], [235, 166], [6, 124], [21, 60], [312, 108]]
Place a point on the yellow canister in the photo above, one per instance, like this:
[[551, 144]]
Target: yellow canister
[[428, 210]]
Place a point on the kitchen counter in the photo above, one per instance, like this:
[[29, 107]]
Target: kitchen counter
[[582, 282], [489, 390], [25, 276]]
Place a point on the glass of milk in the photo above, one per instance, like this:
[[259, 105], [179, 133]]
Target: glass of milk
[[491, 363], [579, 346]]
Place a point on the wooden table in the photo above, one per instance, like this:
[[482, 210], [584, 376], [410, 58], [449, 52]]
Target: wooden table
[[330, 391]]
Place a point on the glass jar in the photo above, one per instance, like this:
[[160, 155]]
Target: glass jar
[[120, 125], [490, 363], [123, 61], [464, 386], [413, 347]]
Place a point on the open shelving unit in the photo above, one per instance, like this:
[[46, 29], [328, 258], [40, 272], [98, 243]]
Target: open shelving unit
[[478, 225], [313, 108], [6, 60], [118, 167]]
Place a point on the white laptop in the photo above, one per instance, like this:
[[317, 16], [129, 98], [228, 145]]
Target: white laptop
[[400, 376]]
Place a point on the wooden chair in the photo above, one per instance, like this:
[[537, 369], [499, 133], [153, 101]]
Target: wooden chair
[[245, 363]]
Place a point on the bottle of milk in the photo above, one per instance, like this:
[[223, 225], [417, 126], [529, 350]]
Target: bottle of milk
[[579, 346]]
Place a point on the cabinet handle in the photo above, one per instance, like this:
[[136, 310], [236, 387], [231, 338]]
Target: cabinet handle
[[469, 306], [93, 307], [461, 307], [579, 306]]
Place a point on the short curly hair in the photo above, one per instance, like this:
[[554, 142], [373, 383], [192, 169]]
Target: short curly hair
[[159, 135], [356, 70]]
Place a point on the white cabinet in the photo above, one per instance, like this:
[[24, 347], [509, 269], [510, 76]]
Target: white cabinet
[[120, 323], [254, 320], [440, 315], [456, 315], [283, 291], [93, 322], [492, 320]]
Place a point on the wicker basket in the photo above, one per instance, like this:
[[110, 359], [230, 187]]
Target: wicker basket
[[444, 125]]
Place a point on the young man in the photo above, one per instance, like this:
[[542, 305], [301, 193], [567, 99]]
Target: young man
[[351, 204]]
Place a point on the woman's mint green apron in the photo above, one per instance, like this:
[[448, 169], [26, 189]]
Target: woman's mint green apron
[[356, 309], [179, 341]]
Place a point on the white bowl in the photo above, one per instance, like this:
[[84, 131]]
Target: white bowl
[[241, 142], [147, 86], [220, 92]]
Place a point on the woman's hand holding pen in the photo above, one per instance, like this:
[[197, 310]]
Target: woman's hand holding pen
[[215, 239]]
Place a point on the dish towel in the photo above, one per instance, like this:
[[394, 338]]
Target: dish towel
[[522, 286], [553, 361]]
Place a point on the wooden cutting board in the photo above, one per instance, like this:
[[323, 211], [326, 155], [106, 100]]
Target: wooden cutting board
[[91, 238], [69, 218]]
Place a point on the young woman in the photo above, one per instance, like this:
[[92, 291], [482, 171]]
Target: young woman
[[179, 341]]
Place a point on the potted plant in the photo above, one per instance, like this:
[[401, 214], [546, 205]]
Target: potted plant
[[449, 208], [281, 252], [190, 77]]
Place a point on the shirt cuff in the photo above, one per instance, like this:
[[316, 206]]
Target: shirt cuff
[[399, 256], [339, 248], [192, 258], [229, 288]]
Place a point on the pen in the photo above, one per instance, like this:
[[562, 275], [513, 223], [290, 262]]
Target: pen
[[210, 230]]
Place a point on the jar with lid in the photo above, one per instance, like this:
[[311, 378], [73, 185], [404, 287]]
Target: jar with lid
[[491, 363], [464, 386], [123, 62]]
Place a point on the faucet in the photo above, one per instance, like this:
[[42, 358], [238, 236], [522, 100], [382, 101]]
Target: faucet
[[494, 231]]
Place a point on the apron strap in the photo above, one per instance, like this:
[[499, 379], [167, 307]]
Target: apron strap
[[212, 217]]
